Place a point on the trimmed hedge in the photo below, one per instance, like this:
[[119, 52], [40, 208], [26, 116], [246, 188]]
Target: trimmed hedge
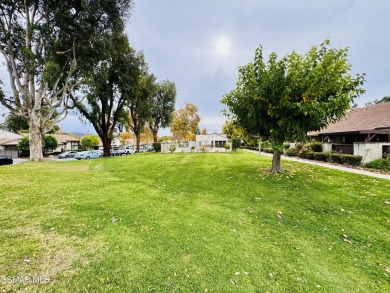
[[292, 152], [352, 160], [268, 150], [316, 147], [346, 159], [320, 156], [310, 155], [302, 153]]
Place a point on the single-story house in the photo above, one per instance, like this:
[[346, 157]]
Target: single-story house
[[9, 140], [67, 143], [364, 132], [214, 140]]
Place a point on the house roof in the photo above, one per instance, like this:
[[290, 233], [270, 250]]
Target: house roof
[[9, 141], [63, 138], [372, 119], [5, 134]]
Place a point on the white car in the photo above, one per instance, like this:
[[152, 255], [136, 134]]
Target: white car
[[130, 150], [88, 155]]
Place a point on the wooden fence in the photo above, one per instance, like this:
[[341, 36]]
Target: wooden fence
[[14, 154]]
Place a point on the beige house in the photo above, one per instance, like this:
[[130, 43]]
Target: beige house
[[364, 132], [67, 143], [214, 140], [9, 140]]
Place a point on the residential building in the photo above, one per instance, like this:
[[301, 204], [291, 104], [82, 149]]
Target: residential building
[[364, 132], [214, 140]]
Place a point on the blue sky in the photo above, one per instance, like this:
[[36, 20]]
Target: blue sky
[[199, 44]]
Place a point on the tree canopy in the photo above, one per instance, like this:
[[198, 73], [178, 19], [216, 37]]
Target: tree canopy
[[284, 99], [185, 123], [46, 46], [110, 86], [162, 106], [89, 142]]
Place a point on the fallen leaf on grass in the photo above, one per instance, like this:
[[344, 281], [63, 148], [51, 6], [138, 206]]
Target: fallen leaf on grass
[[387, 202], [345, 239]]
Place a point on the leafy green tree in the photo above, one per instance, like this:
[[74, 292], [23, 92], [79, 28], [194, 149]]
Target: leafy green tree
[[139, 104], [89, 141], [50, 143], [24, 144], [233, 131], [16, 123], [282, 100], [46, 45], [110, 86], [162, 106]]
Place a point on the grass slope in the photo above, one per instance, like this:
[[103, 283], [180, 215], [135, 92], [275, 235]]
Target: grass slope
[[192, 223]]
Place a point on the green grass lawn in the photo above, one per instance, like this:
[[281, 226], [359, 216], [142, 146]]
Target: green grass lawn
[[197, 222]]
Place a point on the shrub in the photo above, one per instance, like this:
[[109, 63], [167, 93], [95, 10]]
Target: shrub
[[157, 147], [236, 143], [226, 146], [24, 144], [299, 146], [310, 155], [379, 164], [316, 147], [320, 156], [286, 145], [172, 148], [351, 160], [292, 152], [268, 150], [203, 148], [335, 158], [302, 153]]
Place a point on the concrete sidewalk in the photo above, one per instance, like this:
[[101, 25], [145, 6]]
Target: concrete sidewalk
[[330, 166]]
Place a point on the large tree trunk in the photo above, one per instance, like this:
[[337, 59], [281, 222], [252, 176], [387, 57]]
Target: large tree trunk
[[35, 136], [137, 137], [276, 162], [106, 147], [155, 137]]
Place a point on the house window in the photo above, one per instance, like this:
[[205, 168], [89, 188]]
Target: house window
[[74, 145]]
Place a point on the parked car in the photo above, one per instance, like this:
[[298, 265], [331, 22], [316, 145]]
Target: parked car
[[130, 150], [142, 149], [6, 160], [88, 155], [121, 151], [114, 153], [150, 149], [66, 155]]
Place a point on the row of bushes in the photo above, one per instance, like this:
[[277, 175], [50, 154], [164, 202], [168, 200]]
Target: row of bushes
[[326, 157]]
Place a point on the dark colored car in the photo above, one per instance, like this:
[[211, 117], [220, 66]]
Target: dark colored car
[[6, 160]]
